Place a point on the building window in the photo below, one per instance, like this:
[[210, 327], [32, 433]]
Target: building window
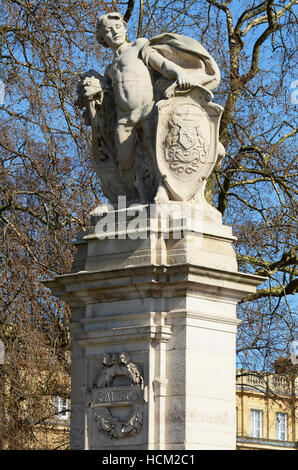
[[61, 406], [281, 426], [256, 423]]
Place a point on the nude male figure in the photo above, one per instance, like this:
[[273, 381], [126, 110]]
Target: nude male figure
[[131, 80]]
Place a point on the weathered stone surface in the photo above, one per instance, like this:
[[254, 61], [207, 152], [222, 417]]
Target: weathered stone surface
[[170, 316], [154, 129], [154, 287]]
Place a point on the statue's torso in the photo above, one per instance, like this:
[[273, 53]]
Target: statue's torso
[[131, 79]]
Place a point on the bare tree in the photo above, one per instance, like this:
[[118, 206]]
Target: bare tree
[[48, 187]]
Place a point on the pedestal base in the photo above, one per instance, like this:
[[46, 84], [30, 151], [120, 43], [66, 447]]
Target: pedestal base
[[153, 338]]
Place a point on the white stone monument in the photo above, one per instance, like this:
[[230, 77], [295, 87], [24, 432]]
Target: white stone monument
[[155, 285]]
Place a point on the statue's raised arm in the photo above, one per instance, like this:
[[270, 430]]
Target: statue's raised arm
[[154, 129]]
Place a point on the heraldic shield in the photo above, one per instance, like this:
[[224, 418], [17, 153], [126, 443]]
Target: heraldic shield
[[187, 141]]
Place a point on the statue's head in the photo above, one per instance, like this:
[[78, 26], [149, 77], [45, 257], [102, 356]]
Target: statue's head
[[111, 30], [124, 358], [105, 359]]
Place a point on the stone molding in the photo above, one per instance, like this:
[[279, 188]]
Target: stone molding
[[82, 288]]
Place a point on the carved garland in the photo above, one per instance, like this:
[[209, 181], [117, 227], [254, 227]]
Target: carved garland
[[114, 428], [114, 366]]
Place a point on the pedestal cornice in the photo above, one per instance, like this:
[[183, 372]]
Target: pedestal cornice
[[81, 288]]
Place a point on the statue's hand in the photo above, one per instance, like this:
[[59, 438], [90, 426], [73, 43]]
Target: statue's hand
[[183, 84], [184, 81]]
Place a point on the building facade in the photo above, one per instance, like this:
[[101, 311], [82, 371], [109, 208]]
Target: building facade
[[266, 407]]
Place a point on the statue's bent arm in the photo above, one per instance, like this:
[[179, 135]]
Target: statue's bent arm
[[165, 67]]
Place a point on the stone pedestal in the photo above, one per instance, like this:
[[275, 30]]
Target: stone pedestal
[[153, 331]]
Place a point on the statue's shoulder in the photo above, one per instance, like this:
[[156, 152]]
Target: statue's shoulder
[[140, 43]]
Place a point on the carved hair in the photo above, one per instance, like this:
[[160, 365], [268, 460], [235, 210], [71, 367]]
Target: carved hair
[[102, 21]]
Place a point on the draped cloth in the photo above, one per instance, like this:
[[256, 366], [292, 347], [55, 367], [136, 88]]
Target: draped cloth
[[189, 54]]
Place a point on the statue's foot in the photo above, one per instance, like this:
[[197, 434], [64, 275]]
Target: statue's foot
[[161, 195]]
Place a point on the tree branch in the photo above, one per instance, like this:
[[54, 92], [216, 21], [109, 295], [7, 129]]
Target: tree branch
[[278, 291], [247, 14], [273, 26], [269, 268], [128, 13], [264, 18], [141, 16]]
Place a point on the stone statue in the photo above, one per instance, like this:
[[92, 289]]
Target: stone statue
[[154, 130]]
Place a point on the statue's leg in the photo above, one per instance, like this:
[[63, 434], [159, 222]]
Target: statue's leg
[[149, 129], [155, 184], [149, 138], [125, 140]]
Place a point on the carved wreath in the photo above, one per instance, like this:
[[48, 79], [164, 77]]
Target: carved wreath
[[114, 366], [114, 428]]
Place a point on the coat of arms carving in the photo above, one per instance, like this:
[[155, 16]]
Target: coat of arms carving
[[185, 148], [187, 143]]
